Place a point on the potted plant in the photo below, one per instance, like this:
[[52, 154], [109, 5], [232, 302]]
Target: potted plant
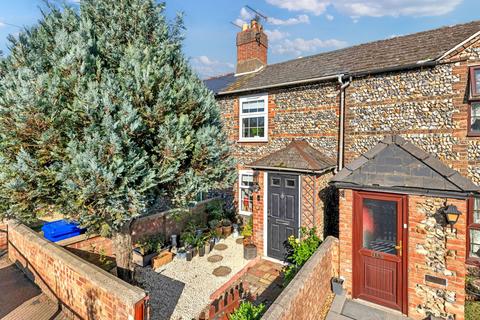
[[337, 285], [216, 226], [247, 232], [181, 254], [226, 227], [146, 249], [207, 237], [190, 244]]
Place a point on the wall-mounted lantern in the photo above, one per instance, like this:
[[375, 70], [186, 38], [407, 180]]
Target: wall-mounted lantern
[[451, 214]]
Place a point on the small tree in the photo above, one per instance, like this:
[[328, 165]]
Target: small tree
[[101, 118]]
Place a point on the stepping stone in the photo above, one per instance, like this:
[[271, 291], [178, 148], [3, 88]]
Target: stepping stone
[[221, 247], [221, 271], [239, 241], [215, 258]]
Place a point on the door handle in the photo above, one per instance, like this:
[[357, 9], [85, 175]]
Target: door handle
[[399, 248]]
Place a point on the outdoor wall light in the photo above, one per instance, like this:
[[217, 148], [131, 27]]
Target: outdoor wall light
[[451, 214], [255, 184]]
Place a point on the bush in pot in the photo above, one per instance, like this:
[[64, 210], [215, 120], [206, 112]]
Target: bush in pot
[[216, 226]]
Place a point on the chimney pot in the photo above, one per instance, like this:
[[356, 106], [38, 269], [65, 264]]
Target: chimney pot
[[252, 48]]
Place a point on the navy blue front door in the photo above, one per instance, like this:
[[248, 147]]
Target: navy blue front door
[[283, 212]]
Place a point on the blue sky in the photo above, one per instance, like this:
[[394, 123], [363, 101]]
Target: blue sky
[[295, 27]]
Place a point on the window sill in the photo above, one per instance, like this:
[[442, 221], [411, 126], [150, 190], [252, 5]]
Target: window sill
[[473, 262], [473, 135], [254, 140]]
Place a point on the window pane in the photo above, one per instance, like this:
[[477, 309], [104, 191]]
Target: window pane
[[289, 183], [476, 210], [475, 117], [276, 182], [477, 80], [253, 106], [246, 180], [474, 243], [246, 200], [253, 127], [380, 225]]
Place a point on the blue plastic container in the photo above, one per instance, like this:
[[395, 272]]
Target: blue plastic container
[[61, 230]]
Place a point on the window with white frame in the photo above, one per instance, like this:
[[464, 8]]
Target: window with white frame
[[245, 199], [254, 118]]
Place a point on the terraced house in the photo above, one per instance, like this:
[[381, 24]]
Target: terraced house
[[394, 126]]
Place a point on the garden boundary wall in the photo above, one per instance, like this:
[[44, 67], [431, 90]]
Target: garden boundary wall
[[306, 294], [169, 222], [83, 290], [3, 236]]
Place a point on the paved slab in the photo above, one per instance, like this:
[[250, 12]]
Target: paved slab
[[346, 309], [21, 299]]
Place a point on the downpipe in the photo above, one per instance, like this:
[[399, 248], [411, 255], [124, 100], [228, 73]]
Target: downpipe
[[341, 134]]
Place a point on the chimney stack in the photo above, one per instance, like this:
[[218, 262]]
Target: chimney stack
[[252, 46]]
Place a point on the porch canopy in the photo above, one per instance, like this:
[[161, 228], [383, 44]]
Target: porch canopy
[[399, 166], [297, 156]]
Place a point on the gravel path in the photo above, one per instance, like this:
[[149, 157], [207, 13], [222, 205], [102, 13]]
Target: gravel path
[[181, 290]]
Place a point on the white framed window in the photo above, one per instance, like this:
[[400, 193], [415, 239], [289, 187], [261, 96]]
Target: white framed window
[[254, 118], [245, 192]]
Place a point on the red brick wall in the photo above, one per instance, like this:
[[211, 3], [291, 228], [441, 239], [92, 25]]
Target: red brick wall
[[346, 236], [168, 222], [258, 215], [95, 244], [432, 250], [83, 290], [306, 294], [3, 236]]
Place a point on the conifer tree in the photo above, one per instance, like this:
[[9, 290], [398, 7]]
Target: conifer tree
[[101, 117]]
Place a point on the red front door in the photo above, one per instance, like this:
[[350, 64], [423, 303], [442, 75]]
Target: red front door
[[380, 248]]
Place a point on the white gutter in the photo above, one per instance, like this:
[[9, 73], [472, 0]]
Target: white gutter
[[341, 142], [332, 77]]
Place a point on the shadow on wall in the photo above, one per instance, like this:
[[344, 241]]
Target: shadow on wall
[[330, 198], [92, 312], [164, 292], [100, 260]]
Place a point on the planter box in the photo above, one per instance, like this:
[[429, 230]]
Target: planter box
[[162, 259], [142, 260]]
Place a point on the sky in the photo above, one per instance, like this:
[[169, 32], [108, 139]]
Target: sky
[[296, 28]]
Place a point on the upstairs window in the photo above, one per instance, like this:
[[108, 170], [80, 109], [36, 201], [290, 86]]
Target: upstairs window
[[254, 118], [475, 82], [473, 232], [474, 109]]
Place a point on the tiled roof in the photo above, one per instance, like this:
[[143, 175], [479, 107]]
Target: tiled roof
[[298, 155], [396, 164], [399, 52]]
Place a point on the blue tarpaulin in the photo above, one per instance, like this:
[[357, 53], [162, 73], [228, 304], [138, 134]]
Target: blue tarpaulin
[[61, 230]]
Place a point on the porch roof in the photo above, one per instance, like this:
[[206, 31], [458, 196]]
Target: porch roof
[[297, 156], [397, 165]]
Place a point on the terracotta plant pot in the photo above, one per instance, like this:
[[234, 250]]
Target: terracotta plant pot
[[219, 231], [227, 230], [250, 251]]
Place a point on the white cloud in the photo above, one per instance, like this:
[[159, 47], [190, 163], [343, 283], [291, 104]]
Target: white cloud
[[299, 45], [316, 7], [329, 17], [208, 67], [2, 24], [276, 35], [244, 17], [303, 18], [371, 8]]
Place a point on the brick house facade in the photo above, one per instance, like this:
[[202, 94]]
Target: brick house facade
[[419, 87]]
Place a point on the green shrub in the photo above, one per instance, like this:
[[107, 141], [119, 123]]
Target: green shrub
[[247, 311], [215, 210], [300, 250], [149, 245], [247, 230], [472, 310]]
